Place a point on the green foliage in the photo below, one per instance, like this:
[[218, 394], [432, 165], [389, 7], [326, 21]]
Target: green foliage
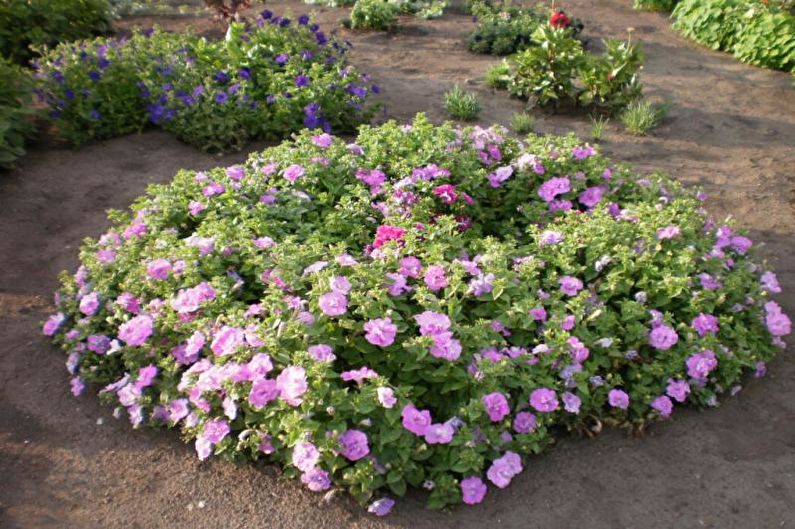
[[641, 116], [755, 32], [15, 112], [461, 104], [498, 75], [522, 123], [37, 23], [767, 38], [257, 83], [612, 80], [373, 14], [598, 126], [545, 73], [204, 290], [655, 5]]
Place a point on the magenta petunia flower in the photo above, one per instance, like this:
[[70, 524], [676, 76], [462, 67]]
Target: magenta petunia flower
[[293, 172], [503, 469], [554, 187], [538, 314], [446, 347], [380, 332], [677, 389], [414, 420], [322, 353], [89, 304], [354, 445], [305, 456], [262, 392], [316, 479], [323, 140], [524, 422], [473, 490], [549, 238], [292, 384], [570, 285], [53, 323], [358, 375], [663, 405], [618, 398], [446, 193], [227, 340], [215, 431], [136, 331], [769, 282], [705, 324], [778, 323], [439, 433], [435, 277], [385, 233], [544, 400], [591, 196], [77, 386], [410, 267], [663, 337], [340, 284], [333, 304], [669, 232], [700, 365], [432, 323], [496, 406]]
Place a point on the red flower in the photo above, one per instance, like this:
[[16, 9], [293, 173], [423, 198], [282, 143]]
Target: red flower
[[559, 20]]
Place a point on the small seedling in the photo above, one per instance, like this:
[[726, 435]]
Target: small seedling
[[461, 104], [641, 116], [598, 125]]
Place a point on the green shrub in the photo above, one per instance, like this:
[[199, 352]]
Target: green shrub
[[766, 38], [37, 23], [612, 80], [15, 112], [545, 73], [461, 104], [497, 295], [373, 14], [258, 83], [498, 75], [641, 116], [713, 23]]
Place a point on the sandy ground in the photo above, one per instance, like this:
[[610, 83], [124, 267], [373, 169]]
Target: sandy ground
[[731, 130]]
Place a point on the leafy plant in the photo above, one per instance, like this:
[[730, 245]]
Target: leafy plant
[[598, 126], [641, 116], [426, 307], [498, 75], [522, 122], [15, 112], [713, 23], [36, 23], [545, 73], [655, 5], [373, 14], [461, 104], [766, 38], [612, 80]]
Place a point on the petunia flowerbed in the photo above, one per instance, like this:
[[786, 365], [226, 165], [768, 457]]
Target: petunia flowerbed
[[426, 306], [267, 78]]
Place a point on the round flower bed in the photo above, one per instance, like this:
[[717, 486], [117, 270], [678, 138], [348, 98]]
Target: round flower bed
[[426, 306]]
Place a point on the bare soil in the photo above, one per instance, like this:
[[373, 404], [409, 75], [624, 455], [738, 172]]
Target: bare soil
[[66, 462]]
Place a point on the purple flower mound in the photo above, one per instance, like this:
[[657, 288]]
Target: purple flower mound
[[376, 315]]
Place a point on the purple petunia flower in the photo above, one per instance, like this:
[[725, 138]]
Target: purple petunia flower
[[705, 324], [524, 422], [414, 420], [435, 277], [305, 456], [292, 384], [333, 304], [380, 332], [381, 506], [778, 323], [322, 353], [663, 337], [571, 402], [678, 389], [544, 400], [439, 433], [136, 331], [473, 490], [618, 398], [386, 396], [316, 479], [700, 365], [663, 405], [354, 445], [503, 469], [53, 324], [496, 406], [554, 187], [570, 285]]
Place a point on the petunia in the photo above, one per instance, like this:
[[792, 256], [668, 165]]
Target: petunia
[[414, 420], [380, 332], [305, 456], [292, 384], [354, 445], [136, 331], [544, 400], [333, 304], [473, 490], [503, 469], [618, 398], [440, 433], [496, 406], [663, 337]]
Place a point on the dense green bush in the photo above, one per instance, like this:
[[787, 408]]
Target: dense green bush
[[755, 32], [373, 14], [15, 111], [556, 70], [25, 23], [655, 5], [423, 307], [261, 82]]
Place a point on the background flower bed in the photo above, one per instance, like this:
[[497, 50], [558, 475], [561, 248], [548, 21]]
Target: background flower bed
[[15, 111], [261, 82], [400, 310]]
